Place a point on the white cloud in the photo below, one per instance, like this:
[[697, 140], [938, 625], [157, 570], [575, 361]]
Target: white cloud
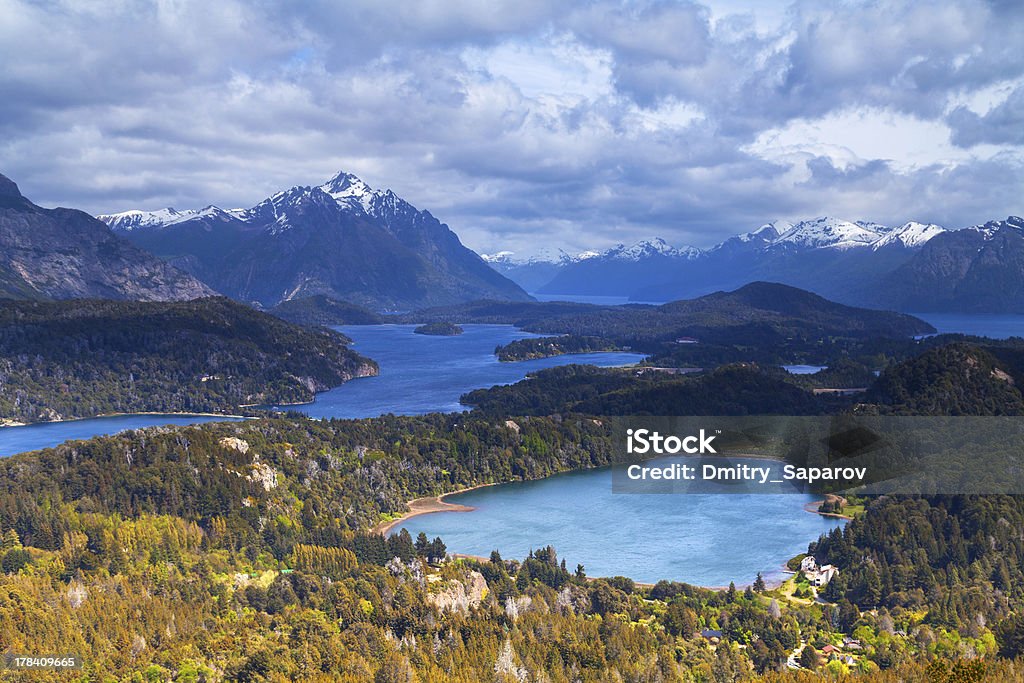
[[524, 123], [857, 135]]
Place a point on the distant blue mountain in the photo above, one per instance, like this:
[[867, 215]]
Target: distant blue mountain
[[912, 267]]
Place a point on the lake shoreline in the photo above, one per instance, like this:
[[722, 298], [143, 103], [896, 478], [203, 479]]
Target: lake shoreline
[[428, 505], [814, 505], [13, 423], [432, 504]]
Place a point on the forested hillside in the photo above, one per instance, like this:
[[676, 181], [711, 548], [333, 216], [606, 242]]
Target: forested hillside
[[82, 358], [956, 379], [322, 310], [761, 322], [729, 390], [760, 312], [238, 551]]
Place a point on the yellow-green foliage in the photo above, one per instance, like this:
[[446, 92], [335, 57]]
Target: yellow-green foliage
[[317, 559]]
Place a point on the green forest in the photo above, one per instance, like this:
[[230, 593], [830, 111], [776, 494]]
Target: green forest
[[246, 551], [69, 359], [439, 329], [241, 551], [776, 320], [545, 347], [323, 310]]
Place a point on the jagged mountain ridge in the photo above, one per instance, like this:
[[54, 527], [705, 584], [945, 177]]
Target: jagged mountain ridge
[[974, 270], [911, 267], [67, 254], [341, 239]]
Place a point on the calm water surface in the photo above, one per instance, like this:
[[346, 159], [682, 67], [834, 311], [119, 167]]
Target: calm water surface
[[31, 437], [994, 326], [646, 537], [803, 369], [418, 374], [706, 539], [423, 373]]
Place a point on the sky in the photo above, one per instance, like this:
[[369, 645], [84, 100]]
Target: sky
[[526, 124]]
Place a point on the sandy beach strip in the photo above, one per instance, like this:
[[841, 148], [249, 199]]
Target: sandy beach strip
[[425, 506]]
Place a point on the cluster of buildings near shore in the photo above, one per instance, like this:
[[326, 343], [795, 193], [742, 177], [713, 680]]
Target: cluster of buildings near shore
[[817, 576]]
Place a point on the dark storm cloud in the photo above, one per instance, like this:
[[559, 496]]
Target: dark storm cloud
[[519, 123]]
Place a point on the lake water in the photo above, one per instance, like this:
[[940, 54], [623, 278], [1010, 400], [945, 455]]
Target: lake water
[[646, 537], [706, 539], [994, 326], [418, 374], [424, 374], [31, 437], [803, 369], [598, 300]]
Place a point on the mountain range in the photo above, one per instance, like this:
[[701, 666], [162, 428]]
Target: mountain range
[[341, 239], [346, 241], [65, 254], [911, 267]]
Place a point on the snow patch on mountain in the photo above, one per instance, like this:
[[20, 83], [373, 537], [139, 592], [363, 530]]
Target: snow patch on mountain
[[910, 235], [499, 257], [350, 191], [126, 221], [648, 249], [833, 233], [991, 228], [347, 190], [768, 232]]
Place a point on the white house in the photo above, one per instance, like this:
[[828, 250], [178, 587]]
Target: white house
[[818, 576]]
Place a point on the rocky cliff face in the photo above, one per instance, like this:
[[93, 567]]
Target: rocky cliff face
[[68, 254], [975, 270]]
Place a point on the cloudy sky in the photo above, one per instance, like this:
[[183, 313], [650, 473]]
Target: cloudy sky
[[524, 123]]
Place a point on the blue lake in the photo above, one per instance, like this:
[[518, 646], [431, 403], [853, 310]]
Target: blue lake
[[31, 437], [994, 326], [424, 374], [596, 299], [803, 369], [708, 539], [646, 537], [418, 374]]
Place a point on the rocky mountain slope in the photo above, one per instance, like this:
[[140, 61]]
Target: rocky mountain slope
[[341, 239], [975, 270], [65, 254]]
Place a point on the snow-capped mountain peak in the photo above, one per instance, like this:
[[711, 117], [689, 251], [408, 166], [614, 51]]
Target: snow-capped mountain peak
[[499, 257], [991, 228], [655, 247], [769, 232], [547, 255], [829, 232], [350, 191], [910, 235], [126, 221]]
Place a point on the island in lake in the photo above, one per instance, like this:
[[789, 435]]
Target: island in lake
[[439, 329], [546, 347]]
